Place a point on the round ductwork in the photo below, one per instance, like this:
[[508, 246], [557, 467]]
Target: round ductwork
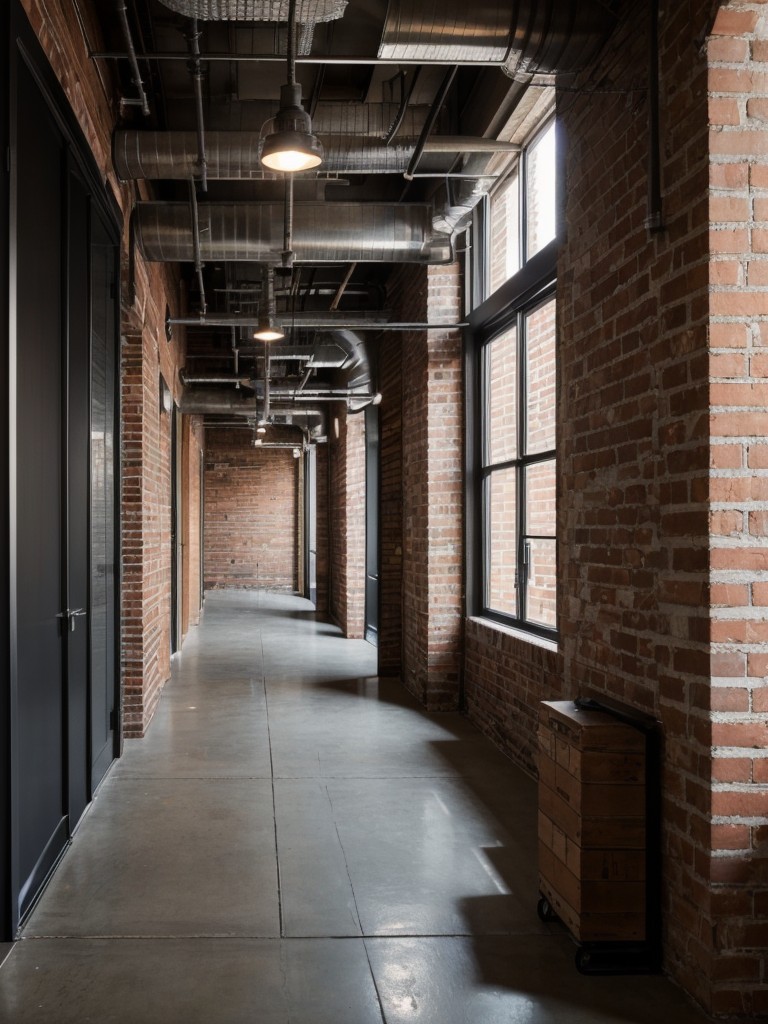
[[524, 37]]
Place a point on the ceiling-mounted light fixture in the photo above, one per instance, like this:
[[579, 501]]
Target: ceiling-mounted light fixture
[[292, 146], [269, 329]]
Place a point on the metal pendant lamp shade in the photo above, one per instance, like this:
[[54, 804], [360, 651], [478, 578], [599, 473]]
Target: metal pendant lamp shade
[[292, 146], [268, 329]]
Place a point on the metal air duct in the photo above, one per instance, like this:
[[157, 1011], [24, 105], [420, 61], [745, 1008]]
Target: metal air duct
[[219, 402], [308, 13], [235, 155], [322, 232], [526, 37]]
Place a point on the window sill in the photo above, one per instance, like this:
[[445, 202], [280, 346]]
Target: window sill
[[518, 634]]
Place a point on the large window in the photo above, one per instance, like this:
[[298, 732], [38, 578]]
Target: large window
[[514, 364]]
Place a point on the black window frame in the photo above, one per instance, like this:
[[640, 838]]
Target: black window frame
[[532, 286]]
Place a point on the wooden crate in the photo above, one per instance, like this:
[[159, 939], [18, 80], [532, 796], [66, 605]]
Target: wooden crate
[[592, 822]]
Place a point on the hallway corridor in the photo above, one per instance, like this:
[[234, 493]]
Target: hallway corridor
[[296, 841]]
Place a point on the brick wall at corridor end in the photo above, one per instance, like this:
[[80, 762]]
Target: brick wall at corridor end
[[251, 513]]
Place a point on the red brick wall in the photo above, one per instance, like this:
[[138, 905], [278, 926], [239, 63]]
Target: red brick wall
[[634, 398], [192, 452], [347, 521], [323, 561], [738, 491], [251, 513], [432, 482], [391, 509]]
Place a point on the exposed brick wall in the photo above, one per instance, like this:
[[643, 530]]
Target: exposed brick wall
[[347, 522], [251, 511], [323, 524], [192, 453], [738, 366], [145, 494], [432, 486], [391, 508], [633, 409], [505, 678]]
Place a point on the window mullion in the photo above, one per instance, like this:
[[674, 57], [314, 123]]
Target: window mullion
[[522, 562]]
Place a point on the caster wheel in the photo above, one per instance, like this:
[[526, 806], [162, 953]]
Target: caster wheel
[[544, 910]]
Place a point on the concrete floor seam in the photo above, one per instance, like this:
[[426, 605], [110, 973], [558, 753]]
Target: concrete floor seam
[[274, 801]]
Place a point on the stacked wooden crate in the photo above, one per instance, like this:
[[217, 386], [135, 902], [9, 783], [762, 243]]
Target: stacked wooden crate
[[592, 830]]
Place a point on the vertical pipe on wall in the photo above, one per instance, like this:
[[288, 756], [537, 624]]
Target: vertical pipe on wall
[[655, 219]]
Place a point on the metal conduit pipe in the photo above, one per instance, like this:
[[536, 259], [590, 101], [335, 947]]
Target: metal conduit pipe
[[322, 232], [234, 156], [216, 378], [315, 320], [331, 395], [196, 245], [429, 124], [122, 11], [196, 71]]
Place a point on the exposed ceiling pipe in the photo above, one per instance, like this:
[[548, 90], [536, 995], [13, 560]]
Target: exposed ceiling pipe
[[429, 124], [196, 71], [217, 378], [323, 232], [320, 394], [196, 245], [405, 100], [342, 288], [142, 102], [318, 321], [234, 156]]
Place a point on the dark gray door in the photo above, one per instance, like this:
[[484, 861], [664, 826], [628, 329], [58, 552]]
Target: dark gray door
[[39, 724], [62, 476]]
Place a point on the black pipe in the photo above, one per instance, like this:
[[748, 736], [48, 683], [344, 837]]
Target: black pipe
[[196, 71], [405, 102], [196, 246], [122, 11], [429, 124]]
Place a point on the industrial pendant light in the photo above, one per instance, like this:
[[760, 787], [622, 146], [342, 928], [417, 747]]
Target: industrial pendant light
[[268, 329], [292, 146]]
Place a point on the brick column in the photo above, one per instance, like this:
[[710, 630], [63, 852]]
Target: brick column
[[738, 365], [432, 482], [347, 522]]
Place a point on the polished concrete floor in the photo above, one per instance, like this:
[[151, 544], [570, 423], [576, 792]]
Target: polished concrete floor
[[296, 842]]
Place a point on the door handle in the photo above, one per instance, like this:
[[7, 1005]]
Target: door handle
[[74, 615], [70, 617]]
